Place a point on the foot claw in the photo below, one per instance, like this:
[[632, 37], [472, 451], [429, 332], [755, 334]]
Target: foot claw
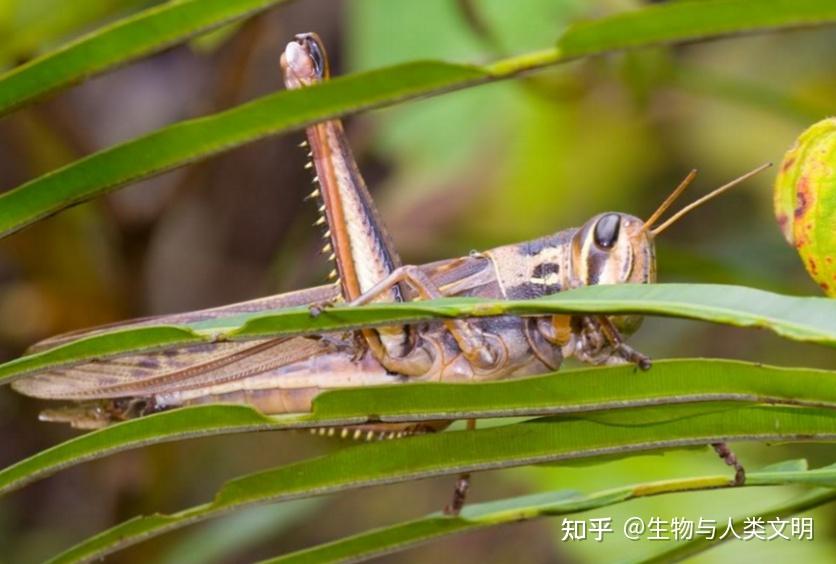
[[630, 354], [317, 308], [459, 495], [724, 452]]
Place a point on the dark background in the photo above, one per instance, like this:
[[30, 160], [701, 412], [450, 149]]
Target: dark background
[[469, 170]]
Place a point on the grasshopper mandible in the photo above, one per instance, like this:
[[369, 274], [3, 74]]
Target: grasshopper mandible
[[282, 375]]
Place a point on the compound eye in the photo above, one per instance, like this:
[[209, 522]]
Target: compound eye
[[316, 56], [606, 230]]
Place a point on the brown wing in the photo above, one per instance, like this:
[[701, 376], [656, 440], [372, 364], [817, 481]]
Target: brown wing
[[196, 366], [180, 368], [472, 275], [170, 371], [317, 295]]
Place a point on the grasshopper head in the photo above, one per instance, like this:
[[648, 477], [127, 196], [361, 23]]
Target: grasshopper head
[[616, 248], [304, 61], [613, 248]]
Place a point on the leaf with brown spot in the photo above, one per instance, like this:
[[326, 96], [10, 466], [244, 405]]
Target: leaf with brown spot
[[805, 201]]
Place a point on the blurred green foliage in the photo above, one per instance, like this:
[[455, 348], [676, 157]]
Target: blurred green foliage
[[31, 27], [469, 170]]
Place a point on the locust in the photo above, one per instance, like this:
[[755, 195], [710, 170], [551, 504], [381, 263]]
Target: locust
[[284, 375]]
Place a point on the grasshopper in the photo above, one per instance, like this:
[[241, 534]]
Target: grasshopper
[[283, 375]]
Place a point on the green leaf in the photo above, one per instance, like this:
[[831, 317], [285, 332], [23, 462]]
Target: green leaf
[[144, 33], [191, 140], [572, 391], [173, 425], [222, 540], [799, 318], [388, 540], [691, 20], [680, 551], [27, 32], [795, 465], [803, 319], [610, 433]]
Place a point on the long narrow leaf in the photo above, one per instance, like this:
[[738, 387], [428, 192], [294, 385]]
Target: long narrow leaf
[[139, 35], [188, 141], [694, 19], [608, 433], [803, 319], [680, 551], [573, 391], [194, 139], [388, 540]]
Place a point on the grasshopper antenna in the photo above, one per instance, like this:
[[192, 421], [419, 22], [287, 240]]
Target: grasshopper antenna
[[711, 195], [669, 200]]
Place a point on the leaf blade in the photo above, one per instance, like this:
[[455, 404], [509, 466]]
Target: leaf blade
[[191, 140], [691, 21], [681, 551], [804, 319], [141, 34], [395, 538], [566, 392], [799, 318], [538, 441]]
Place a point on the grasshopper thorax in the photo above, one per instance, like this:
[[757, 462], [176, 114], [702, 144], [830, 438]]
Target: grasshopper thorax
[[612, 248]]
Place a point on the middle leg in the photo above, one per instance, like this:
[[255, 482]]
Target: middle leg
[[481, 349]]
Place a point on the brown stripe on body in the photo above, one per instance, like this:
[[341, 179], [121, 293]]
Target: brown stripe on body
[[534, 268]]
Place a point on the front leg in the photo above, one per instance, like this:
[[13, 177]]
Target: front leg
[[621, 348], [601, 343]]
